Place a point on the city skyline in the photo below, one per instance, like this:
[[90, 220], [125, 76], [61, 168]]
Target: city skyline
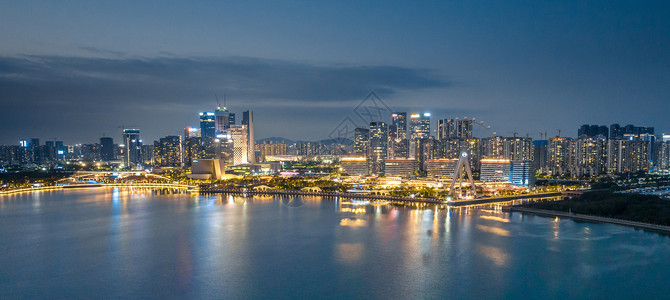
[[68, 70]]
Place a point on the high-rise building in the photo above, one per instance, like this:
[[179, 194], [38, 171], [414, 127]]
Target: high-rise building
[[238, 135], [248, 120], [271, 149], [512, 148], [443, 168], [560, 156], [361, 141], [590, 156], [107, 149], [419, 126], [168, 152], [630, 132], [207, 127], [454, 128], [133, 144], [223, 119], [593, 131], [378, 149], [398, 142], [627, 156], [540, 155]]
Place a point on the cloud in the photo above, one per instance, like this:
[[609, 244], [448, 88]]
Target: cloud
[[89, 89], [175, 80]]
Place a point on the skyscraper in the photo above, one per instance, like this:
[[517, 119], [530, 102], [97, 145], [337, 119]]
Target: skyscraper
[[238, 134], [207, 127], [378, 149], [399, 144], [168, 152], [131, 139], [454, 129], [419, 128], [361, 141], [248, 120], [224, 119], [106, 149]]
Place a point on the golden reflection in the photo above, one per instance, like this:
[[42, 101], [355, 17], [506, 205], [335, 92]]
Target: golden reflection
[[494, 230], [353, 223], [349, 252], [496, 255], [494, 218]]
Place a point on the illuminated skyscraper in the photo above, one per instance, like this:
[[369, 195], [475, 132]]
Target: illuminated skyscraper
[[454, 129], [419, 128], [224, 119], [361, 141], [398, 142], [168, 152], [207, 127], [238, 134], [378, 149], [133, 144], [248, 120]]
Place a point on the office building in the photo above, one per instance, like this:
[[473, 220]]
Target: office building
[[107, 149], [522, 173], [495, 169], [398, 142], [454, 128], [133, 147], [354, 165], [400, 167], [248, 120], [168, 152], [361, 141], [377, 152], [442, 168], [207, 127], [238, 135]]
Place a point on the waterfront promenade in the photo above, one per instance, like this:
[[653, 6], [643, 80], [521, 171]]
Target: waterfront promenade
[[589, 218]]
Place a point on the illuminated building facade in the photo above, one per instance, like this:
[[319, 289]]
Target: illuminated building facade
[[512, 148], [361, 141], [354, 165], [272, 149], [248, 121], [454, 128], [442, 168], [400, 167], [207, 127], [495, 169], [398, 142], [522, 173], [168, 152], [560, 156], [627, 156], [133, 145], [238, 135], [378, 148]]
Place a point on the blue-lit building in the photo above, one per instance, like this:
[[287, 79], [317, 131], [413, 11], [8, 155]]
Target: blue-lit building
[[207, 126], [133, 143], [522, 173]]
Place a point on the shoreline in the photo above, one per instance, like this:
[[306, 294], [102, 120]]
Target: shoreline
[[595, 219], [81, 186]]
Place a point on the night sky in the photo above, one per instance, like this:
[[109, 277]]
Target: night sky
[[75, 70]]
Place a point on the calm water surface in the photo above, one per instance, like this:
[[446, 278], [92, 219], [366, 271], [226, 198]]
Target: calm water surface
[[91, 243]]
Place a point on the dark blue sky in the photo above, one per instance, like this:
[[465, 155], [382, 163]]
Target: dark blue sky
[[73, 70]]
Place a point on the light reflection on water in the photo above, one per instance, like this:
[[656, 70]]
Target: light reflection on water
[[156, 243]]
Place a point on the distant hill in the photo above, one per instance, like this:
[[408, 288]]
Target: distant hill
[[342, 141]]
